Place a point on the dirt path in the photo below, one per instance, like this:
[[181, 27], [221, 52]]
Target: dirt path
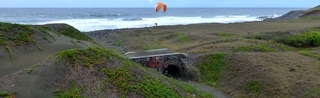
[[213, 91]]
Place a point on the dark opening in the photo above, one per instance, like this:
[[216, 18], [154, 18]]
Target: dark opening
[[172, 71]]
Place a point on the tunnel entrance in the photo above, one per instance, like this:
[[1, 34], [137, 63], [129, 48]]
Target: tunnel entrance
[[175, 65], [172, 71]]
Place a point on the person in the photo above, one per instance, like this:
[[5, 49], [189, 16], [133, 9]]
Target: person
[[156, 24]]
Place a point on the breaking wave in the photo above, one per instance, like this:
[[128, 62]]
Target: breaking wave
[[118, 23]]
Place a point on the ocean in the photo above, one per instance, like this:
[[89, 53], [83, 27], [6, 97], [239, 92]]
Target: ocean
[[91, 19]]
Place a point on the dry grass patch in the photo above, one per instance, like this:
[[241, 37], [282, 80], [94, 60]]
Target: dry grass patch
[[190, 47], [311, 54], [250, 74], [198, 34], [270, 75], [222, 47]]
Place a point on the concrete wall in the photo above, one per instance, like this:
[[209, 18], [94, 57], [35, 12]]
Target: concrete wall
[[178, 60]]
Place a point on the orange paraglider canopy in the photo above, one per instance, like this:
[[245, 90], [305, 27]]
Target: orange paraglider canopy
[[160, 5]]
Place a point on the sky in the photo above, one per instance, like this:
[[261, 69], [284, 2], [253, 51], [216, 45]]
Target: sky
[[152, 3]]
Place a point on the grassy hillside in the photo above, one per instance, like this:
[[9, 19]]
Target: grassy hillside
[[202, 38], [251, 59], [15, 35], [313, 9], [24, 45], [66, 30], [276, 64], [312, 13], [96, 72], [57, 60], [12, 35]]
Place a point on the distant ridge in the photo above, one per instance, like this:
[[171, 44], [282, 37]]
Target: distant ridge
[[290, 15], [310, 13], [312, 9]]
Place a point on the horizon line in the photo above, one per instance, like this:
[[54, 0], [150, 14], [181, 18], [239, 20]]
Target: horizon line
[[153, 7]]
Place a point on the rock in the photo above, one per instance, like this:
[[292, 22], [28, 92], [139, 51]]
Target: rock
[[291, 69]]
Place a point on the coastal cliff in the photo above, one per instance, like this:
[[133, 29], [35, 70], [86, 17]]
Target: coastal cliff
[[309, 13]]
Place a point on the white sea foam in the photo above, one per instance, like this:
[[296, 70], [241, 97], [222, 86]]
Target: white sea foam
[[99, 24]]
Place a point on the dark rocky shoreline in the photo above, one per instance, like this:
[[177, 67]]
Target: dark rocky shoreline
[[290, 15]]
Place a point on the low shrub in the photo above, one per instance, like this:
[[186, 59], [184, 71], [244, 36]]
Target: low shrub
[[254, 86], [75, 34], [306, 39], [225, 34], [211, 69]]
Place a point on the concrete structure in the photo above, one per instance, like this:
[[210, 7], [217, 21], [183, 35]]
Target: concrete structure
[[170, 63]]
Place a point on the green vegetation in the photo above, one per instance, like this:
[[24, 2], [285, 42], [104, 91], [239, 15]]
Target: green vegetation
[[9, 27], [307, 49], [311, 54], [46, 30], [262, 47], [18, 34], [46, 39], [184, 39], [211, 68], [190, 89], [75, 34], [32, 67], [72, 41], [12, 35], [147, 47], [119, 43], [284, 47], [149, 86], [224, 34], [254, 86], [265, 47], [10, 53], [186, 87], [2, 40], [34, 42], [244, 49], [7, 94], [311, 93], [75, 92], [4, 94], [315, 28], [85, 57], [262, 36], [305, 39], [178, 35], [124, 76]]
